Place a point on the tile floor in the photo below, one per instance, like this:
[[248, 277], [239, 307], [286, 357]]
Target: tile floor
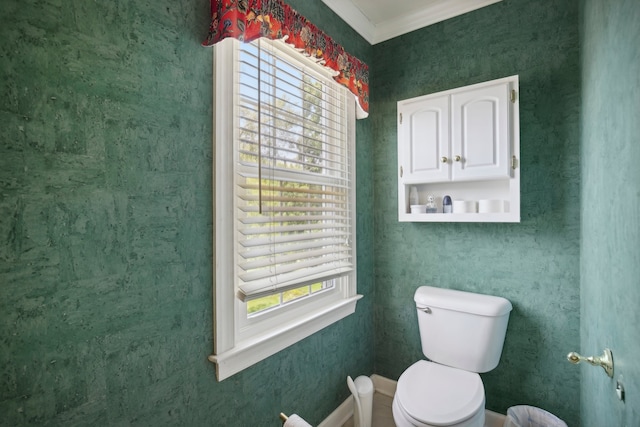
[[382, 416]]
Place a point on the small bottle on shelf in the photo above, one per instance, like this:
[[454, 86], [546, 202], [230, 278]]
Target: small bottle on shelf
[[413, 197], [446, 205], [431, 204]]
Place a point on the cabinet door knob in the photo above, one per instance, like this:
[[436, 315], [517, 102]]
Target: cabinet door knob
[[457, 158], [444, 159]]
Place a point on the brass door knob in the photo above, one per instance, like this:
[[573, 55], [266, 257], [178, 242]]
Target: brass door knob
[[444, 159], [457, 158]]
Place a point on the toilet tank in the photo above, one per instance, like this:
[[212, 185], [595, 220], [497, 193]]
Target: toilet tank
[[462, 329]]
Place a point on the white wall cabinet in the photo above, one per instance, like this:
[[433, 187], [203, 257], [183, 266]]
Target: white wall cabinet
[[464, 143]]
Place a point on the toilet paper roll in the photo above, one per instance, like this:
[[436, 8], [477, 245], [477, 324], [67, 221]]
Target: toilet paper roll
[[459, 206], [471, 206], [465, 206], [296, 421], [415, 209], [490, 206]]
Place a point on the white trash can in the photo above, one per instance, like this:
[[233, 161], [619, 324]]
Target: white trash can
[[530, 416]]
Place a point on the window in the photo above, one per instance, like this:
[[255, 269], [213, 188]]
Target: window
[[284, 201]]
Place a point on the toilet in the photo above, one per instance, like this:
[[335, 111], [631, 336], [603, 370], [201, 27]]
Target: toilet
[[462, 335]]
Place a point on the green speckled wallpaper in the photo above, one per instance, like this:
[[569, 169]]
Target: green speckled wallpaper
[[105, 227], [610, 267], [536, 263]]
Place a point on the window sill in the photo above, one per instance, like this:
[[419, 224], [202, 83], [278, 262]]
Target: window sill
[[251, 351]]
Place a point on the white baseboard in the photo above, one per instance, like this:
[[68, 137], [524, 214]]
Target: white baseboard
[[384, 385], [340, 416], [387, 387]]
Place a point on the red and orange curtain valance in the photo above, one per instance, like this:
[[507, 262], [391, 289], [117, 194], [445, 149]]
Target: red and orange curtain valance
[[247, 20]]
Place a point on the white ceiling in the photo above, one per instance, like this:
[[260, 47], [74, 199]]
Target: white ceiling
[[380, 20]]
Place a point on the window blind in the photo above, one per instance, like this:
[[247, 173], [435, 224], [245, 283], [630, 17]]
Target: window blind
[[293, 174]]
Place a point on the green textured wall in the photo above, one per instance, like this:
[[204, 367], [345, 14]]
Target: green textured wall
[[105, 216], [105, 227], [535, 264], [610, 267]]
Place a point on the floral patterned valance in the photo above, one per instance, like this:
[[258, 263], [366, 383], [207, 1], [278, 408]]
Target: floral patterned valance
[[247, 20]]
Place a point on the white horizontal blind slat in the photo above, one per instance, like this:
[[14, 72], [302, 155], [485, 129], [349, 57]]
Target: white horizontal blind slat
[[327, 167], [283, 239], [263, 289], [280, 70], [289, 199], [255, 231], [294, 142], [290, 272], [290, 262], [289, 116], [262, 251], [292, 176], [289, 219]]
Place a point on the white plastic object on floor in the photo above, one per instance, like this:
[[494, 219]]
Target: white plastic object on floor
[[362, 390]]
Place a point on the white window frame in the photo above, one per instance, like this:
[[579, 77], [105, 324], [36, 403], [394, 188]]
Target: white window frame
[[240, 342]]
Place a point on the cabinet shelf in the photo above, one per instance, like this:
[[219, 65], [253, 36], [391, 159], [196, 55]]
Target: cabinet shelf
[[461, 217], [464, 143]]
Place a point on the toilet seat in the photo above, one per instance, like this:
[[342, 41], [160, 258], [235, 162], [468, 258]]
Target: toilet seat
[[430, 394]]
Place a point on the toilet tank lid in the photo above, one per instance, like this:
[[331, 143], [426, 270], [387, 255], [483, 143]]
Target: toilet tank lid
[[466, 302]]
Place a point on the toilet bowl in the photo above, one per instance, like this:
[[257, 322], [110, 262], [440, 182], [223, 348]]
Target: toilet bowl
[[462, 335], [433, 395]]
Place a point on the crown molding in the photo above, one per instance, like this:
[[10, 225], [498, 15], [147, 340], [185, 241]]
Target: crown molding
[[348, 11], [396, 26]]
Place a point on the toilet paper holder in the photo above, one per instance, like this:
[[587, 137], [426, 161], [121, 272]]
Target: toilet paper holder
[[606, 360]]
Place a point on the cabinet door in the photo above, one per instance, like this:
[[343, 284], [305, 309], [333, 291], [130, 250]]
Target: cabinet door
[[480, 133], [423, 140]]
